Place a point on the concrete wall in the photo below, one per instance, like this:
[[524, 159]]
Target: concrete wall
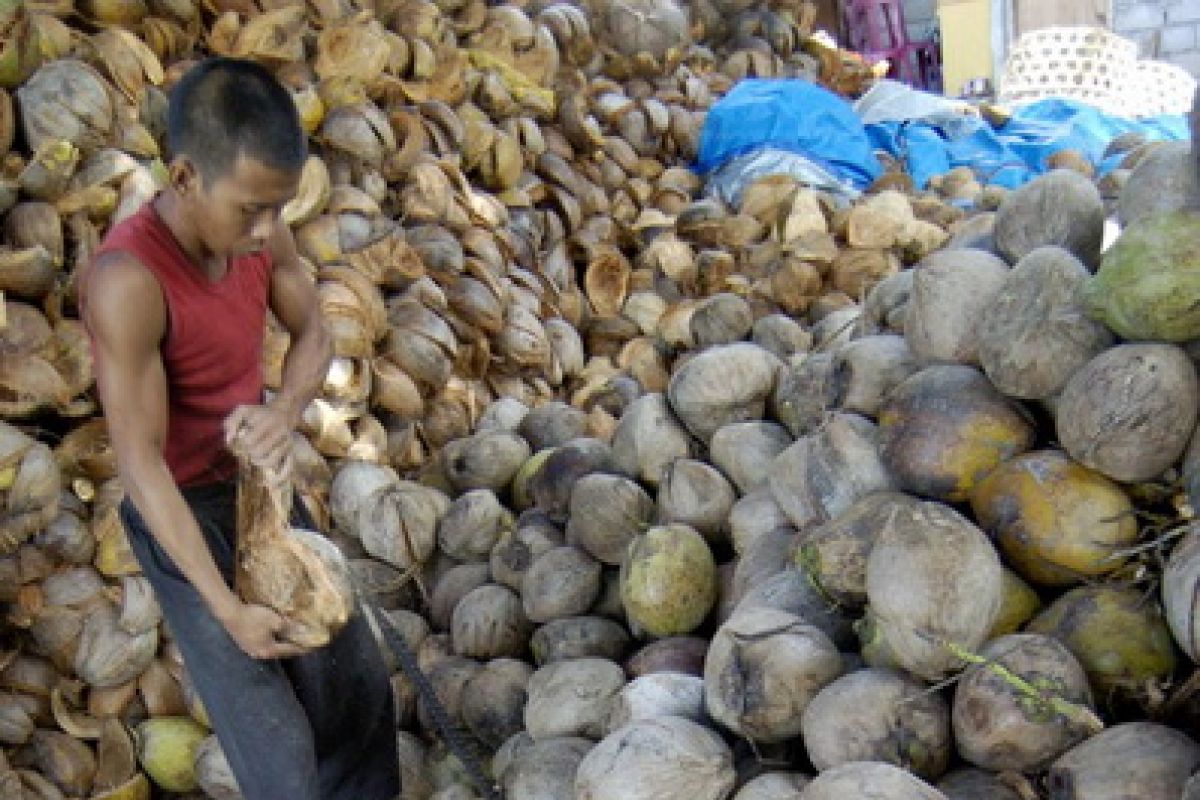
[[1168, 30]]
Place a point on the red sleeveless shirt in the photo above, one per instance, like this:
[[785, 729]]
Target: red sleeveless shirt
[[212, 350]]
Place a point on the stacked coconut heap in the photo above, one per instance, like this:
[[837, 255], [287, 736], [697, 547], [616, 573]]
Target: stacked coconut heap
[[579, 414]]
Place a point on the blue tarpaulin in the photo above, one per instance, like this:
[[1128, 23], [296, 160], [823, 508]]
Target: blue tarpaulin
[[803, 118], [1018, 151], [792, 115]]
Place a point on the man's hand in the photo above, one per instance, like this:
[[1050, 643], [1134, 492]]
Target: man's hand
[[264, 434], [256, 630]]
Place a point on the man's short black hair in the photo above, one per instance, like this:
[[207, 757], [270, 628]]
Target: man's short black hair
[[224, 108]]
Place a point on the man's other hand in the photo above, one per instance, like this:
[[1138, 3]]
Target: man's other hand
[[256, 630], [264, 434]]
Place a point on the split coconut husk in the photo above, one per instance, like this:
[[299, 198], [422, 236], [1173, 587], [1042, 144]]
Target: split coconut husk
[[298, 573]]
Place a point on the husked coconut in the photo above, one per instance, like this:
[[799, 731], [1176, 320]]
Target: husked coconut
[[951, 289], [745, 450], [773, 786], [1000, 728], [647, 439], [795, 592], [1134, 759], [945, 428], [486, 460], [572, 697], [865, 371], [562, 582], [658, 695], [579, 637], [489, 622], [472, 524], [662, 758], [805, 393], [451, 587], [1162, 182], [552, 425], [763, 669], [502, 414], [1130, 411], [879, 715], [552, 483], [869, 780], [886, 307], [781, 335], [493, 700], [834, 555], [515, 551], [976, 784], [721, 319], [767, 556], [1179, 588], [1036, 333], [823, 473], [683, 654], [695, 494], [545, 769], [724, 384], [1061, 208], [754, 516], [934, 582], [606, 513]]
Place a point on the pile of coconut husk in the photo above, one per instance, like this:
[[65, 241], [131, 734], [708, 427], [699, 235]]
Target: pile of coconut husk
[[673, 498]]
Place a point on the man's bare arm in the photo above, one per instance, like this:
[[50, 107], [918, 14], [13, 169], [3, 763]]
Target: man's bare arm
[[265, 431], [132, 384]]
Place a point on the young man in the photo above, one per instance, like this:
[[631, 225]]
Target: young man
[[175, 303]]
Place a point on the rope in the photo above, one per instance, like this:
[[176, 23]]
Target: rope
[[462, 745]]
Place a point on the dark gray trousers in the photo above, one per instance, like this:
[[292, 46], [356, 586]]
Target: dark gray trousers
[[317, 727]]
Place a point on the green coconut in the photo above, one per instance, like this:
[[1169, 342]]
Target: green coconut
[[1018, 604], [166, 749], [1118, 635], [945, 428], [1148, 285], [1056, 521], [668, 581]]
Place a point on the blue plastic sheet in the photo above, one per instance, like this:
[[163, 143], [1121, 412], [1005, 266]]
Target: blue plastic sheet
[[1018, 151], [792, 115], [800, 117]]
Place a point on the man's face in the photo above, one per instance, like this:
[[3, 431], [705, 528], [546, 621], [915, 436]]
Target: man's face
[[234, 214]]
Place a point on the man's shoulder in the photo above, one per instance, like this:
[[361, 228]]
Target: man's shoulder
[[118, 285]]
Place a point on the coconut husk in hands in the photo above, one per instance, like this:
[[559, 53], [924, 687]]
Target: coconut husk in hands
[[298, 573]]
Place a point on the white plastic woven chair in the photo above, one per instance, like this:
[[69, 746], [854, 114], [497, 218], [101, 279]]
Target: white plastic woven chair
[[1156, 87], [1088, 64]]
